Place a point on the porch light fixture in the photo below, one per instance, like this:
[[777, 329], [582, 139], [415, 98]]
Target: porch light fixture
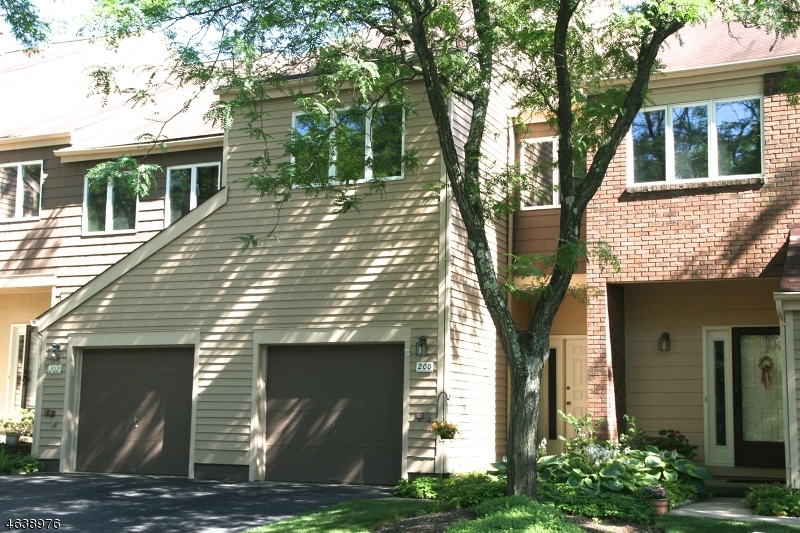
[[663, 342], [422, 346], [54, 351]]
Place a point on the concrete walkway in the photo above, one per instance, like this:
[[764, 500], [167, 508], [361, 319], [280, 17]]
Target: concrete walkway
[[730, 509]]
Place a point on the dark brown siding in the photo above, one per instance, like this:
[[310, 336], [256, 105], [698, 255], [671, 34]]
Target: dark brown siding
[[335, 413], [136, 411]]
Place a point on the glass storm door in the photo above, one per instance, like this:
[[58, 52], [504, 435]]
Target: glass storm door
[[758, 397]]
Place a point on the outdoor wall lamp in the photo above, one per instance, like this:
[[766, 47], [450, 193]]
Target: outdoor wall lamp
[[54, 351], [422, 346], [663, 342]]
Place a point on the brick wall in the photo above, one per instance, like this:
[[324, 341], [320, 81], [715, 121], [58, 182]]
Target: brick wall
[[717, 230]]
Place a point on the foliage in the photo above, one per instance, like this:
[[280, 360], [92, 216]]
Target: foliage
[[361, 516], [516, 515], [681, 492], [656, 492], [594, 465], [26, 26], [445, 430], [773, 500], [10, 462], [631, 507], [458, 490], [673, 440], [19, 421], [125, 173]]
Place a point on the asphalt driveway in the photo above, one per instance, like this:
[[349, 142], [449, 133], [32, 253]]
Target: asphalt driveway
[[112, 503]]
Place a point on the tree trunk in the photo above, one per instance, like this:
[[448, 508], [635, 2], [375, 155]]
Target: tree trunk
[[526, 380]]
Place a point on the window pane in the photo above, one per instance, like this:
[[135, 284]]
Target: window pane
[[310, 149], [649, 147], [536, 162], [31, 190], [96, 198], [8, 192], [690, 131], [123, 206], [739, 137], [207, 183], [719, 393], [762, 392], [350, 144], [180, 181], [387, 141]]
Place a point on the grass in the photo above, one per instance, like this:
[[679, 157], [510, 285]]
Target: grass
[[689, 524], [352, 517]]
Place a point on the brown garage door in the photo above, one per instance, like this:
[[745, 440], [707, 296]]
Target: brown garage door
[[135, 411], [334, 413]]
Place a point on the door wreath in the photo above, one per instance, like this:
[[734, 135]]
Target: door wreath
[[766, 364]]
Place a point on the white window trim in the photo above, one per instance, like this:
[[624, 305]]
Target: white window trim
[[556, 194], [109, 215], [367, 147], [192, 186], [20, 187], [669, 139]]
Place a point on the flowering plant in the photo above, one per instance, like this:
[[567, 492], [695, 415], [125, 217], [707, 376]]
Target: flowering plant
[[19, 421], [445, 430], [657, 492]]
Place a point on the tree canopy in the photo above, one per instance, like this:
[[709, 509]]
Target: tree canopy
[[23, 19], [559, 56]]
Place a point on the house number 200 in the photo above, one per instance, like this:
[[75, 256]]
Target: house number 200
[[424, 367]]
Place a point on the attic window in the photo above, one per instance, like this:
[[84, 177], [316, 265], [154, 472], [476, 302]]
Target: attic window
[[20, 190]]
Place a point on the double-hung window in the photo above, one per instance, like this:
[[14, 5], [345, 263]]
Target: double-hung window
[[109, 207], [189, 186], [364, 144], [537, 164], [20, 190], [697, 141]]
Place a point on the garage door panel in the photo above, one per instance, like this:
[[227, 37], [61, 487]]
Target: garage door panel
[[323, 465], [343, 428], [334, 412], [113, 402]]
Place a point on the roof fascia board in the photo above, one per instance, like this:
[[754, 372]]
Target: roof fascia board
[[28, 281], [35, 141], [757, 66], [127, 263], [72, 155]]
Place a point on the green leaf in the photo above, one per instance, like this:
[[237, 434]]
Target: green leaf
[[653, 461], [614, 485], [574, 481]]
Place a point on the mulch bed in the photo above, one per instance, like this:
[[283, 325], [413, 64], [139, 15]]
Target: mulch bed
[[439, 522]]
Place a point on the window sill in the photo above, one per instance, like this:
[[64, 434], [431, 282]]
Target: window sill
[[539, 207], [108, 233], [754, 182], [25, 219]]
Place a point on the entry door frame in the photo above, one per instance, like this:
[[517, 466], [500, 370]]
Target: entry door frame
[[559, 343], [68, 451], [262, 337], [14, 365]]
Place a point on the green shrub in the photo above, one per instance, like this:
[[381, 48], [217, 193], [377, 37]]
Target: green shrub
[[631, 507], [459, 490], [680, 492], [27, 463], [516, 515], [773, 500]]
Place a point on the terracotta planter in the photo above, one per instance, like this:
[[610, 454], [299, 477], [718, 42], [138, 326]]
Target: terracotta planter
[[12, 439], [660, 506]]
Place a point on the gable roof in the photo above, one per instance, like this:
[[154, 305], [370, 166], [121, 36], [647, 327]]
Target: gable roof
[[719, 43], [50, 94]]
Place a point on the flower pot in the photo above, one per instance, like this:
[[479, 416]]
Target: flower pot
[[660, 506], [12, 439], [446, 437]]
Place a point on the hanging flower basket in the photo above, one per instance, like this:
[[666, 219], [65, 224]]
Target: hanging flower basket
[[445, 430]]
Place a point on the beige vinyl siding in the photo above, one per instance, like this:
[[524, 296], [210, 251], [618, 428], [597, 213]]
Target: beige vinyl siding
[[665, 389], [377, 267], [54, 243], [476, 375]]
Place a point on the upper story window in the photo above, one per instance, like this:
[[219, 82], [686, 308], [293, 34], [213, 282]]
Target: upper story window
[[189, 186], [109, 207], [20, 190], [538, 158], [697, 141], [372, 140]]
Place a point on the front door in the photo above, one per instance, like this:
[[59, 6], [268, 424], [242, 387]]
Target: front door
[[758, 397]]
